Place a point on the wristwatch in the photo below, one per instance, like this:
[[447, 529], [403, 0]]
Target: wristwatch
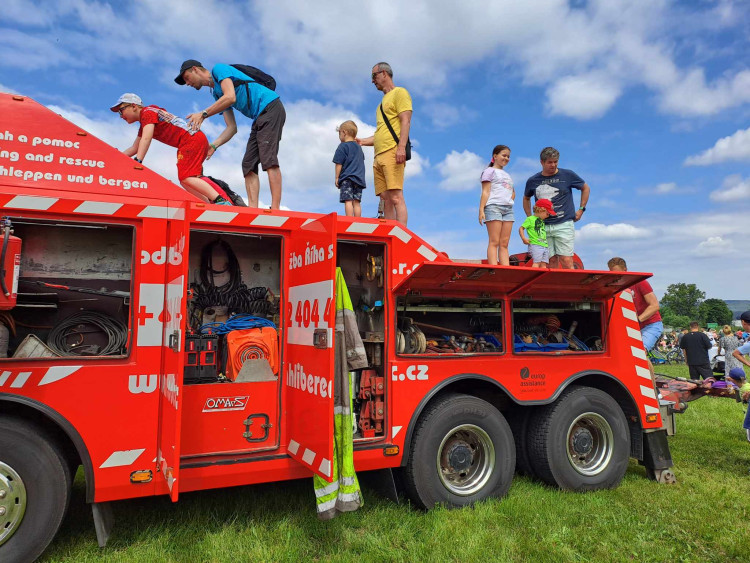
[[582, 209], [204, 114]]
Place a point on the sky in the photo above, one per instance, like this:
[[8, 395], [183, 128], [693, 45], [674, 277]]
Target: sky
[[647, 100]]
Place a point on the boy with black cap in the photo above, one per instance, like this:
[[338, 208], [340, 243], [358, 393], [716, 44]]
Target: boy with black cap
[[232, 88], [192, 146]]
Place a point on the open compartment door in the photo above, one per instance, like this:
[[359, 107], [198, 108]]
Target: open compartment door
[[309, 325], [170, 379], [470, 280]]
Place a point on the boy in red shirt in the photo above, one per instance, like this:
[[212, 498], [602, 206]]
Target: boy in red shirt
[[192, 146]]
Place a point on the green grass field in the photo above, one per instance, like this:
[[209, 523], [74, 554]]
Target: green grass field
[[704, 517]]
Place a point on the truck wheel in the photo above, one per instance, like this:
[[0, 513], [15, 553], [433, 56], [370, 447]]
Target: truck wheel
[[462, 452], [34, 490], [581, 442], [519, 418]]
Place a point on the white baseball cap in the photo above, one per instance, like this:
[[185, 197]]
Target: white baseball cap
[[127, 99]]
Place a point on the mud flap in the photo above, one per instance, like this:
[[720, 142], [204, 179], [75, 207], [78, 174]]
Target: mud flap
[[656, 457], [104, 520]]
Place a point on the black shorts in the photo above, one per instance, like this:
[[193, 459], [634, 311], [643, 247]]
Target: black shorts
[[349, 191], [263, 144], [700, 370]]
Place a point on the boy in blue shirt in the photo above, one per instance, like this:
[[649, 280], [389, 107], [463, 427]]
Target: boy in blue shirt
[[350, 169], [232, 88]]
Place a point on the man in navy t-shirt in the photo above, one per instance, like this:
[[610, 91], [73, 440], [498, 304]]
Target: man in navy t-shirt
[[556, 184], [232, 88]]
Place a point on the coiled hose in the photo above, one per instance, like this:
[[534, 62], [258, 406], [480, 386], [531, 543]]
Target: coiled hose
[[116, 332]]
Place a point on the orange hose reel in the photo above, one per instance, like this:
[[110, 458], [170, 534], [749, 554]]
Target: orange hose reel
[[251, 344]]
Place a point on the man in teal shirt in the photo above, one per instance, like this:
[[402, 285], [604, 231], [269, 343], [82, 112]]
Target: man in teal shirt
[[234, 89]]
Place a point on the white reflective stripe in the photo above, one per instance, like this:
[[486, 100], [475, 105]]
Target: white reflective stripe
[[158, 212], [98, 208], [365, 228], [309, 456], [211, 216], [269, 221], [648, 392], [21, 379], [627, 296], [347, 481], [400, 234], [293, 447], [122, 458], [327, 490], [633, 333], [150, 305], [638, 352], [347, 497], [327, 505], [307, 222], [325, 467], [629, 314], [4, 377], [57, 373], [427, 253], [395, 430], [32, 202], [342, 410], [643, 372], [650, 409]]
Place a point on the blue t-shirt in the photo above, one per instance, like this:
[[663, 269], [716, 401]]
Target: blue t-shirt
[[352, 160], [260, 96], [559, 190]]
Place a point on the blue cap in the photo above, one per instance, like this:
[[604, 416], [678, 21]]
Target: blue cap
[[737, 373]]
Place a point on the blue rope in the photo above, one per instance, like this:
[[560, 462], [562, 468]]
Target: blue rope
[[237, 322]]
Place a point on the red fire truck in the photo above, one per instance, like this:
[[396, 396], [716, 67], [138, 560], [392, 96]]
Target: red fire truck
[[111, 274]]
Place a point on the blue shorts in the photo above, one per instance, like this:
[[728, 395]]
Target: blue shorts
[[651, 333], [349, 191], [498, 213], [539, 253]]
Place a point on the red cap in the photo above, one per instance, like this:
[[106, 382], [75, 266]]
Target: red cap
[[546, 204]]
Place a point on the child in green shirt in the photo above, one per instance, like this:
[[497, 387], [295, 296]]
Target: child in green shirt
[[537, 235]]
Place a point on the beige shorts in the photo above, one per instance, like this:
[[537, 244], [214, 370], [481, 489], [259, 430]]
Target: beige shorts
[[388, 175]]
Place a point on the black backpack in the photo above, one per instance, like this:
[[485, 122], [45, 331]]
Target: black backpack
[[235, 198], [257, 75]]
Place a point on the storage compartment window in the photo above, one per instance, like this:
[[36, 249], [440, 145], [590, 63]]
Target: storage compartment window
[[233, 308], [363, 267], [557, 326], [439, 326], [73, 290]]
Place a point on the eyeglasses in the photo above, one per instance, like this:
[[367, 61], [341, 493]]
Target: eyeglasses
[[374, 74]]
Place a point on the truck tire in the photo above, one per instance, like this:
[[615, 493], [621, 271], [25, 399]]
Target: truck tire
[[462, 452], [518, 419], [35, 489], [581, 441]]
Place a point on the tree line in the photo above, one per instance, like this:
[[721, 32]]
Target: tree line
[[684, 302]]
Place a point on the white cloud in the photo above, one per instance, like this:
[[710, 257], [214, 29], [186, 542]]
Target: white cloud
[[666, 188], [735, 147], [713, 247], [617, 231], [444, 116], [583, 97], [7, 89], [734, 188], [461, 171]]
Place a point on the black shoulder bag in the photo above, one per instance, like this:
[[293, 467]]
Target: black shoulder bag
[[395, 138]]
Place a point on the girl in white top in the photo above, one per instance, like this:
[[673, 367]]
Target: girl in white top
[[496, 206]]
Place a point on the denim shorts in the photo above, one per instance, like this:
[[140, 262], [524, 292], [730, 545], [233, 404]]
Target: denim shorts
[[498, 213], [651, 334], [539, 253]]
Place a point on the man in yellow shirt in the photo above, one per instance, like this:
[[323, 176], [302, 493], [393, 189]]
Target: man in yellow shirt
[[390, 153]]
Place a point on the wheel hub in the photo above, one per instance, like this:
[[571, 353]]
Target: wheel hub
[[460, 457], [583, 442], [12, 501], [465, 459]]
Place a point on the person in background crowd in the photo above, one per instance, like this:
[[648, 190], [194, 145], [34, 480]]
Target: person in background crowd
[[556, 184], [696, 346], [496, 206], [390, 142], [234, 89], [740, 354], [728, 343]]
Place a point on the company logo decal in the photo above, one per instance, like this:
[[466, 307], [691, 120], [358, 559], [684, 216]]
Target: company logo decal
[[221, 404]]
